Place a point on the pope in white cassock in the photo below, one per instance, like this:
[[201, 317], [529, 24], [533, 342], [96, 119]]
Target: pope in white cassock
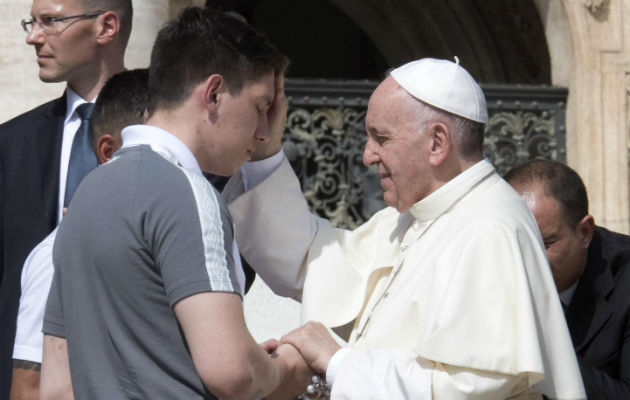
[[447, 293]]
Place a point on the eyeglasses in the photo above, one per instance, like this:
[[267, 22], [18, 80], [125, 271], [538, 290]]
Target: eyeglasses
[[48, 23]]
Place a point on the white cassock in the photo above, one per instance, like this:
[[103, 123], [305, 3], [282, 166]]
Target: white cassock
[[458, 292]]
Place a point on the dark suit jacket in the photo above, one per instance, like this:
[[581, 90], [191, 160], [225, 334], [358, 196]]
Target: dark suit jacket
[[598, 317], [30, 148]]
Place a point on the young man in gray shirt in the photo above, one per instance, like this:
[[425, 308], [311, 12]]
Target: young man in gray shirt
[[144, 301]]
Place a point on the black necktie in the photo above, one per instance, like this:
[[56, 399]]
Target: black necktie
[[82, 158]]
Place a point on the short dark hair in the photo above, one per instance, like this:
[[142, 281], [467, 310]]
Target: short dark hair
[[123, 101], [201, 42], [123, 8], [559, 181]]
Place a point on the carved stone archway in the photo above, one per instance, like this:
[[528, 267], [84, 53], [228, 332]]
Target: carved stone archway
[[497, 42]]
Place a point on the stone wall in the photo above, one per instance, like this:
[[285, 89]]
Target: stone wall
[[590, 54]]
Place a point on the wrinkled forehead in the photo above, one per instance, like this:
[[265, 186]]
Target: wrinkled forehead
[[388, 88], [389, 100]]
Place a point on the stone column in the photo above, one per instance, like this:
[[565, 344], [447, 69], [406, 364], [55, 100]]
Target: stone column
[[598, 143], [148, 18], [589, 46]]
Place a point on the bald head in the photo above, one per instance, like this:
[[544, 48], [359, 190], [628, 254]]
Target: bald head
[[557, 197], [124, 10], [558, 181]]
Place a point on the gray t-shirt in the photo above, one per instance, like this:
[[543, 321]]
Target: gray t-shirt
[[141, 234]]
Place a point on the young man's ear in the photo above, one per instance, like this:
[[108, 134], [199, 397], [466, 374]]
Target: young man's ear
[[108, 27], [106, 146], [440, 143], [212, 90]]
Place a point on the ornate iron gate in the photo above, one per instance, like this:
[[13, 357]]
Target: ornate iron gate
[[325, 136]]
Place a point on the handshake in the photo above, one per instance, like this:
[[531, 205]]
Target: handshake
[[305, 353]]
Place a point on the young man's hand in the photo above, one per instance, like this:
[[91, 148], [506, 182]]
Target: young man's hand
[[297, 376]]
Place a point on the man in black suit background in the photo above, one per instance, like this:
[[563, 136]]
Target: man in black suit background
[[591, 269], [81, 42]]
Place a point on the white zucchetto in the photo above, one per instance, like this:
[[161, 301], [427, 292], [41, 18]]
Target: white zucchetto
[[445, 85]]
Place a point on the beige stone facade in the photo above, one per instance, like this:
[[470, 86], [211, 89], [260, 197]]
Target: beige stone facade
[[589, 43]]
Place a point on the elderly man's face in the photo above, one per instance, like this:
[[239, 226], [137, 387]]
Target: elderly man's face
[[397, 146], [565, 245]]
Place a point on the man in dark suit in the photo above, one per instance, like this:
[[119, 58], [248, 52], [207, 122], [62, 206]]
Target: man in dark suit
[[82, 43], [591, 269]]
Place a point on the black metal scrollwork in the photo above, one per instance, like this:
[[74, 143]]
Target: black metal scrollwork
[[325, 136]]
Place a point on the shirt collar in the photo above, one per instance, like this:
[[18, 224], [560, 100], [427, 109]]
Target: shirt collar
[[567, 295], [136, 135], [73, 100], [438, 201]]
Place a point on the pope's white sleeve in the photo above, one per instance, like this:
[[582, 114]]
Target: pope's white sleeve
[[36, 280], [274, 227], [399, 374], [250, 175], [254, 172]]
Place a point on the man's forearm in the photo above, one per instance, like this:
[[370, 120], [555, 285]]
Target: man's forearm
[[25, 383], [55, 382]]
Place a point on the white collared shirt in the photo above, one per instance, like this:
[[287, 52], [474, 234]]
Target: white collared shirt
[[135, 135], [567, 295]]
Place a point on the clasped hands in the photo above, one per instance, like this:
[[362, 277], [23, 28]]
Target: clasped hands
[[305, 351]]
